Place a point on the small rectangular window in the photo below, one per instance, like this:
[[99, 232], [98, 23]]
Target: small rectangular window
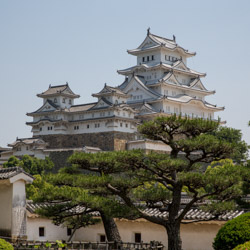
[[143, 59], [41, 129], [87, 125], [102, 238], [153, 57], [121, 124], [147, 58], [137, 237], [69, 231], [41, 231]]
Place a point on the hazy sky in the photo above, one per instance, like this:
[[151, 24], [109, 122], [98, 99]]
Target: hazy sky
[[84, 43]]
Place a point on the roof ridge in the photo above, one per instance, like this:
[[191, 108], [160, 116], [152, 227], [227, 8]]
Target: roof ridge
[[56, 86], [163, 38], [84, 104]]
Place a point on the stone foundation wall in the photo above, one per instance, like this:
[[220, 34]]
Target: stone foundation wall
[[60, 159], [107, 141]]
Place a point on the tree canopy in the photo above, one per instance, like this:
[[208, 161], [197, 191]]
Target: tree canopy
[[157, 180], [31, 165]]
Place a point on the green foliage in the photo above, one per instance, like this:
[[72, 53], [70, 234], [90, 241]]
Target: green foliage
[[4, 245], [233, 136], [30, 164], [233, 233], [156, 180], [245, 246], [12, 162]]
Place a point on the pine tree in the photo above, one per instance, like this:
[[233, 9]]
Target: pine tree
[[157, 180]]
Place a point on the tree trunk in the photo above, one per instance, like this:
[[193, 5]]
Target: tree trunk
[[174, 238], [111, 229]]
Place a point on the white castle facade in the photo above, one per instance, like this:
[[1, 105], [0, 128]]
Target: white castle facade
[[161, 83]]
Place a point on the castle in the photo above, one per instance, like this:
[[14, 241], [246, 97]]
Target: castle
[[161, 83]]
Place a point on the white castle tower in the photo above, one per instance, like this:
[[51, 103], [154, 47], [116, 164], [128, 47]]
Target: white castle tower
[[161, 83]]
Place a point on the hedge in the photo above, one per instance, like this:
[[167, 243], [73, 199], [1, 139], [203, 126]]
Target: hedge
[[233, 233], [4, 245]]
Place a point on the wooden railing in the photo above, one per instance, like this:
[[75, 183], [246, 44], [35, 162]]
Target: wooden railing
[[78, 245]]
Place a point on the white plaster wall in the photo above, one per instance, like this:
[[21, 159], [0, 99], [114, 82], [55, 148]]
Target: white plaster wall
[[24, 151], [157, 57], [52, 232], [197, 236], [19, 208], [5, 205], [147, 145]]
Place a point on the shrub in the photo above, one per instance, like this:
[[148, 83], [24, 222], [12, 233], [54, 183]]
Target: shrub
[[245, 246], [4, 245], [233, 233]]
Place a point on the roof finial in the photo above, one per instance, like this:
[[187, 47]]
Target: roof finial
[[174, 38], [148, 31], [105, 84], [67, 83]]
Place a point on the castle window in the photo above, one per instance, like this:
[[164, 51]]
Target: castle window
[[153, 57], [97, 125], [50, 128], [147, 58], [41, 231], [55, 100], [41, 129], [70, 101], [121, 124], [76, 127], [126, 125], [87, 125], [137, 237], [63, 100], [143, 59]]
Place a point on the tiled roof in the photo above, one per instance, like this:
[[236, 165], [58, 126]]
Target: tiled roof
[[196, 214], [160, 42], [53, 90], [163, 65], [6, 173], [27, 141], [82, 107], [110, 90], [32, 207], [193, 214]]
